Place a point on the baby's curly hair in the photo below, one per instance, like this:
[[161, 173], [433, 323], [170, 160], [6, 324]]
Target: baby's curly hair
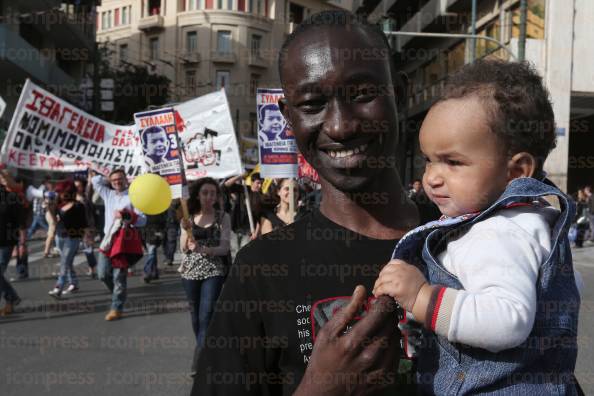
[[513, 93]]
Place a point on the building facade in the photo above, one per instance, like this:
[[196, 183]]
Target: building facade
[[558, 37], [51, 42], [203, 45]]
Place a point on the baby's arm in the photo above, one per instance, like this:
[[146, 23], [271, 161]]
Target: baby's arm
[[498, 269]]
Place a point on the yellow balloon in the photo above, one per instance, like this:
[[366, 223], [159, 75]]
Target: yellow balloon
[[150, 193]]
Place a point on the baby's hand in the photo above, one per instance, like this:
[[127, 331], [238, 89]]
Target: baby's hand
[[401, 281]]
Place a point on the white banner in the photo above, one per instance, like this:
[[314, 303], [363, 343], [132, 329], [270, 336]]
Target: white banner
[[48, 133], [209, 146]]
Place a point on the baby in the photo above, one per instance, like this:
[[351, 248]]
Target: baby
[[495, 290]]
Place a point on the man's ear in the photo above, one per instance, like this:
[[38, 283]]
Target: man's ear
[[521, 165]]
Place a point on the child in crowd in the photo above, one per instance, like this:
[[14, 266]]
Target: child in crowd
[[492, 282]]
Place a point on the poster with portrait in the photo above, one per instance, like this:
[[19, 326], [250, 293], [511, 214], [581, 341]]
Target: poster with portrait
[[277, 147], [158, 137]]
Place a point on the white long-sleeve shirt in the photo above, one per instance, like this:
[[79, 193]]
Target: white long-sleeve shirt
[[497, 261], [114, 201]]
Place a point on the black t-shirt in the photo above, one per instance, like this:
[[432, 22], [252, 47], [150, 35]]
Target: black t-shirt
[[261, 335]]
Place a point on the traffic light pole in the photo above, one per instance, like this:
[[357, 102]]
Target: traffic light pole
[[455, 35]]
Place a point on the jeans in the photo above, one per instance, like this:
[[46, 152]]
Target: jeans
[[38, 222], [150, 265], [22, 266], [202, 296], [68, 250], [115, 279], [6, 289], [170, 243], [90, 255]]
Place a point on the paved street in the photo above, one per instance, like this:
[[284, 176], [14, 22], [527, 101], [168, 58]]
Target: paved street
[[66, 348]]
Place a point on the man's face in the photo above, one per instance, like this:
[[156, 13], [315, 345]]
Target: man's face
[[417, 186], [341, 104], [157, 144], [256, 185], [273, 122], [118, 181]]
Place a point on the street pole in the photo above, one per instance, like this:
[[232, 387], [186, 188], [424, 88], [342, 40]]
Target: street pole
[[473, 32], [96, 81], [455, 35], [522, 38]]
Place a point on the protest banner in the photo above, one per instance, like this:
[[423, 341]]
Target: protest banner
[[277, 148], [160, 148], [205, 129], [306, 170], [48, 133]]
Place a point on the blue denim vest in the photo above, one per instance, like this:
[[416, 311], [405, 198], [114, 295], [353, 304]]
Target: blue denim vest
[[545, 362]]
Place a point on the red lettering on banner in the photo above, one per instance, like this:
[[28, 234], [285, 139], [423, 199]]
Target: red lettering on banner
[[12, 156], [161, 119], [73, 119], [269, 98], [124, 138], [32, 159], [20, 159], [32, 105]]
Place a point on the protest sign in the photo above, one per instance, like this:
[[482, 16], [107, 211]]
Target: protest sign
[[205, 129], [160, 149], [277, 148], [49, 133]]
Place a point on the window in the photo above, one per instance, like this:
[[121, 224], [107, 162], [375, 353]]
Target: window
[[535, 26], [154, 7], [222, 79], [191, 42], [254, 82], [125, 15], [259, 7], [220, 4], [224, 42], [190, 82], [154, 48], [116, 21], [295, 13], [192, 4], [104, 20], [230, 5], [241, 5], [250, 6], [108, 19], [253, 124], [255, 48], [123, 52]]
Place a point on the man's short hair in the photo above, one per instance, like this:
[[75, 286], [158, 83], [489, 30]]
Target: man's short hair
[[149, 131], [264, 109], [115, 171], [517, 102], [255, 176]]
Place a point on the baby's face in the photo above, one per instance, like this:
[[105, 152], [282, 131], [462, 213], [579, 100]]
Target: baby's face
[[466, 168]]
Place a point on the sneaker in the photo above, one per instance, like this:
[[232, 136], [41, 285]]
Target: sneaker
[[71, 289], [113, 315], [55, 292]]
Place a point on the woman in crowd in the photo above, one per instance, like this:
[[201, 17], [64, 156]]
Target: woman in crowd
[[83, 195], [71, 225], [205, 245], [280, 216], [581, 217]]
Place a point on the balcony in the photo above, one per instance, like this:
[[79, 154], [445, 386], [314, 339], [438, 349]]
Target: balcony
[[224, 57], [191, 57], [256, 60], [151, 22]]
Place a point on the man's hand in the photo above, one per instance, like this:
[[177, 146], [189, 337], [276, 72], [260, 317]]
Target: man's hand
[[359, 362], [401, 281]]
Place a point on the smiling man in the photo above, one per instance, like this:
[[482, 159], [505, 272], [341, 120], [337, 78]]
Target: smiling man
[[283, 324]]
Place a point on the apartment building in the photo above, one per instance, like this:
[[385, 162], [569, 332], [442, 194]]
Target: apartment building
[[51, 42], [558, 37], [203, 45]]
